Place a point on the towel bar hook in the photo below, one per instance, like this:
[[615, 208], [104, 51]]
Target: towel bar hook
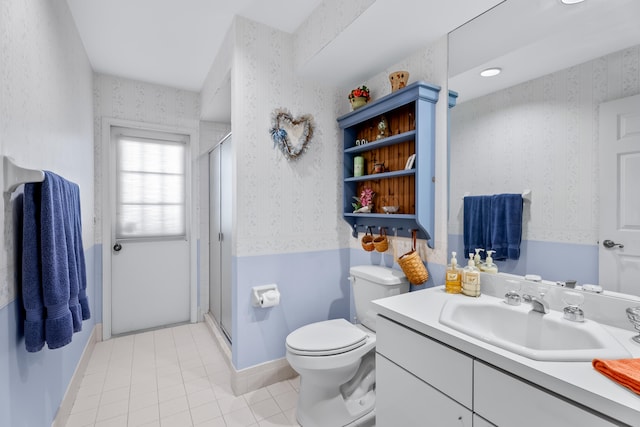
[[15, 175]]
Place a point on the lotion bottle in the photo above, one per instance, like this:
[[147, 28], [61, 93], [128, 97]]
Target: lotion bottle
[[489, 266], [453, 282], [471, 279]]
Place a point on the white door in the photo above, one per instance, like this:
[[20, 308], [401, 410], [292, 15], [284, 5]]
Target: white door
[[150, 280], [619, 238], [220, 229]]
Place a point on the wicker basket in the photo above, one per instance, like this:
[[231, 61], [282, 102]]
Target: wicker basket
[[412, 265], [381, 242], [367, 240]]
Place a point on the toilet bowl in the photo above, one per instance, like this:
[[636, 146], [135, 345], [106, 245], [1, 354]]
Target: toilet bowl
[[336, 358]]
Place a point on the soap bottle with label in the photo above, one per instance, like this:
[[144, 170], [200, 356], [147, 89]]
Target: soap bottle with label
[[453, 282], [471, 279], [489, 266]]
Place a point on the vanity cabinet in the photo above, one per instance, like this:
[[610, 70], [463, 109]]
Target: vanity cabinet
[[408, 128], [503, 398], [421, 381]]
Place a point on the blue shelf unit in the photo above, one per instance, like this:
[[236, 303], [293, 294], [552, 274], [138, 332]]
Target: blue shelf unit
[[410, 117]]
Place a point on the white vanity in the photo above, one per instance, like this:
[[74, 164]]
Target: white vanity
[[431, 374]]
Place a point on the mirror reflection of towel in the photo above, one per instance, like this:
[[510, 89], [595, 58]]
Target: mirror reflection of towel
[[477, 220], [493, 223], [506, 226]]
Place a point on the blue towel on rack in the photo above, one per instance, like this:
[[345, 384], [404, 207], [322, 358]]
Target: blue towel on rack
[[506, 226], [477, 222], [31, 270], [53, 263]]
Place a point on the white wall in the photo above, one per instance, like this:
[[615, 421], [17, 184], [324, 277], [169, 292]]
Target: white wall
[[126, 99], [46, 122]]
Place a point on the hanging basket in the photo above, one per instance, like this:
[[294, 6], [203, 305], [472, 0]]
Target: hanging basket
[[367, 240], [381, 242], [412, 264]]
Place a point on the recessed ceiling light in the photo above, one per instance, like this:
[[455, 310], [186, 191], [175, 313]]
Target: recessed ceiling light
[[571, 1], [490, 72]]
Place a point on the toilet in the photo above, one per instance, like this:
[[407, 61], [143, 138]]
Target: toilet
[[336, 358]]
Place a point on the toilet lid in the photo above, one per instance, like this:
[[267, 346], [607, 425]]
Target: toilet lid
[[326, 338]]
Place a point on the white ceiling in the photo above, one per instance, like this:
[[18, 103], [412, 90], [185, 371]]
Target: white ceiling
[[529, 39], [174, 42]]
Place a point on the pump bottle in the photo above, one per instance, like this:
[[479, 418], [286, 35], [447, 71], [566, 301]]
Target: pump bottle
[[471, 279], [489, 266], [477, 259], [453, 283]]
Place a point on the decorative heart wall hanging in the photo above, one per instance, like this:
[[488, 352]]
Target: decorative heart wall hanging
[[291, 135]]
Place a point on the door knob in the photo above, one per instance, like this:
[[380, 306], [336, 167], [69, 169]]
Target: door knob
[[117, 247], [611, 244]]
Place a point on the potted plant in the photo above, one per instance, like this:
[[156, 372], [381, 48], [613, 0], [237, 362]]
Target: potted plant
[[359, 96], [364, 203]]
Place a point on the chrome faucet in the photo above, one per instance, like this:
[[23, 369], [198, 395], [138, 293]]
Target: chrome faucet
[[539, 305]]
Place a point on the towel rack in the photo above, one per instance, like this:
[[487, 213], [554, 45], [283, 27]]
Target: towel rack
[[526, 195], [15, 175]]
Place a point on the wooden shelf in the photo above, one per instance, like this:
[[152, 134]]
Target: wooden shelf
[[410, 115]]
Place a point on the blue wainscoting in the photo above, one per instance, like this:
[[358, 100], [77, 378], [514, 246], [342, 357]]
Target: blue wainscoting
[[314, 286], [32, 385], [551, 260]]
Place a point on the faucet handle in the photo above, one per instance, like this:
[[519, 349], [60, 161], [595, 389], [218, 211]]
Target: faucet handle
[[512, 297], [573, 301]]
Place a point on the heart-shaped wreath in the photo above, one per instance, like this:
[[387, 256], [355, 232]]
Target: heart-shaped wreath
[[291, 135]]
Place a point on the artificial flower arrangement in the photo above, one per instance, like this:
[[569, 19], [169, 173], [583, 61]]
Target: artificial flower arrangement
[[364, 203], [360, 92]]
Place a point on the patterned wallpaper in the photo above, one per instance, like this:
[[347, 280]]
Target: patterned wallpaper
[[282, 206], [45, 109], [325, 23], [430, 65], [126, 99], [541, 135]]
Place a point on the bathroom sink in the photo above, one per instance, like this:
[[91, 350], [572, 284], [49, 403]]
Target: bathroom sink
[[547, 337]]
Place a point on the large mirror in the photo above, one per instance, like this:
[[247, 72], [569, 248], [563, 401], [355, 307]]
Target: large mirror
[[535, 126]]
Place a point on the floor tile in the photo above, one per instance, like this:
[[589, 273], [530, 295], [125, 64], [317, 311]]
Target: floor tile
[[181, 419], [173, 377], [241, 418], [265, 409], [206, 412]]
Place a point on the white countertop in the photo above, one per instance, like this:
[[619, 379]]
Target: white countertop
[[577, 381]]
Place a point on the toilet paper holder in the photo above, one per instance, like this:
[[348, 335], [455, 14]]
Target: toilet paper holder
[[265, 295]]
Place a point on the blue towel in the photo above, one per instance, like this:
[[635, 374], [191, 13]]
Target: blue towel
[[477, 223], [54, 273], [506, 226], [31, 270]]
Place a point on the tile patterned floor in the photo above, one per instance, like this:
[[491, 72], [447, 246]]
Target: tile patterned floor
[[174, 377]]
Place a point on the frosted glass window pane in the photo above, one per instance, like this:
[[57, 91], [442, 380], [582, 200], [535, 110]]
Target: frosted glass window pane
[[150, 188]]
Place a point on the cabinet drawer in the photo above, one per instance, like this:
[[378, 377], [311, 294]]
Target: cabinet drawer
[[494, 393], [446, 369], [404, 400]]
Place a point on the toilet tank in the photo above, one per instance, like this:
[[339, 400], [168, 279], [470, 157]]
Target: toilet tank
[[371, 282]]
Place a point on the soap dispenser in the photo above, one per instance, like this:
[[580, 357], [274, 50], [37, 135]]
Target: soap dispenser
[[453, 282], [477, 259], [471, 279], [489, 266]]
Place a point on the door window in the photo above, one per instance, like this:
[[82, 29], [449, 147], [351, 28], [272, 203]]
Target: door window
[[150, 184]]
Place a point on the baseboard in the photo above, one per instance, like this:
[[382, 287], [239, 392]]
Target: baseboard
[[76, 379], [252, 378]]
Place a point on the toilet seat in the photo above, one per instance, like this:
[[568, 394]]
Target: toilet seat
[[326, 338]]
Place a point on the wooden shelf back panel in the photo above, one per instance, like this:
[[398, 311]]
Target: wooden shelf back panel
[[398, 191], [394, 157]]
